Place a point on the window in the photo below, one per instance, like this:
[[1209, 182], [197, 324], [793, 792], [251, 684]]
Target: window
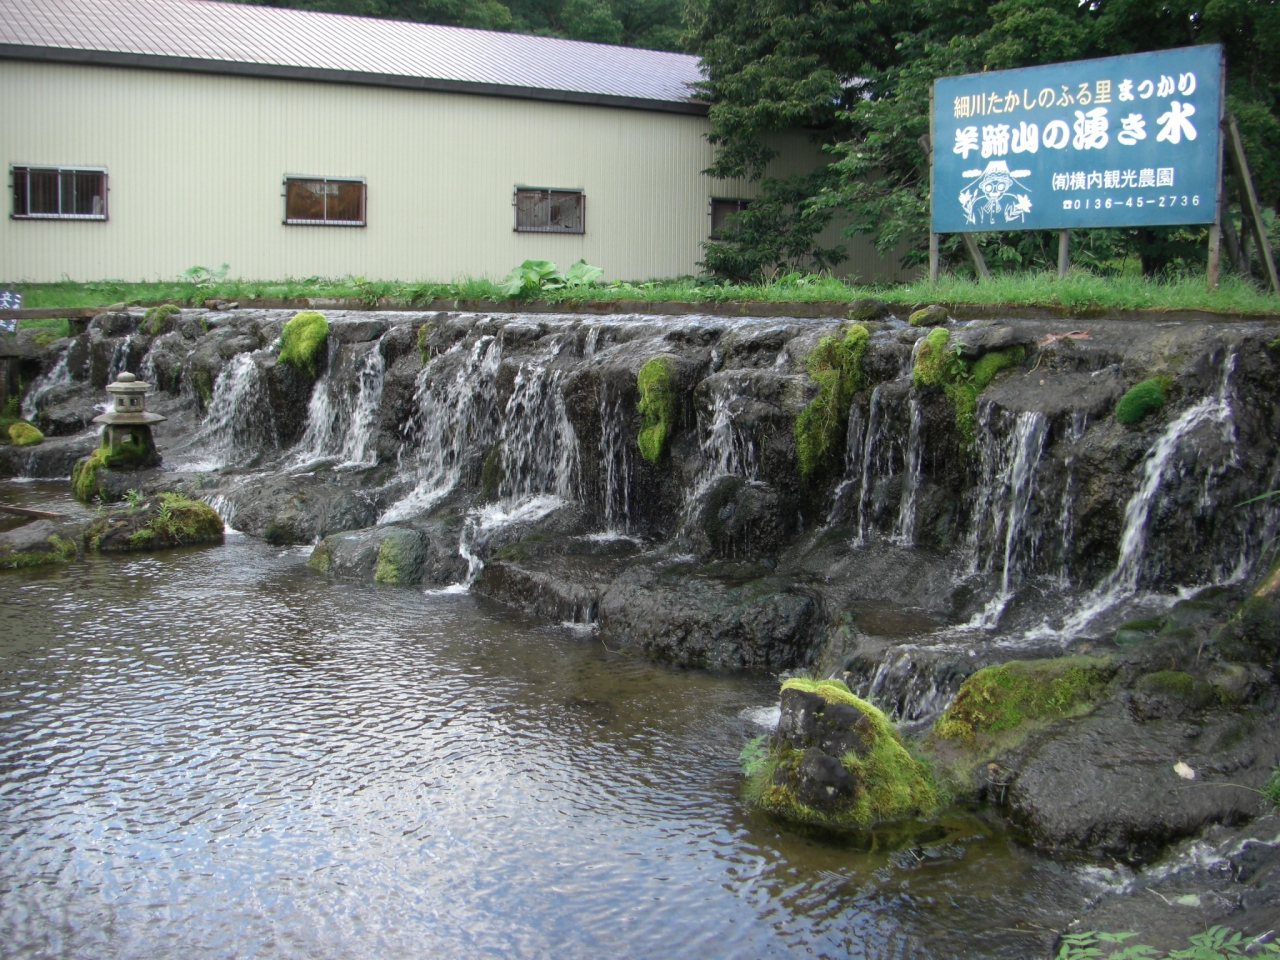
[[723, 213], [325, 201], [550, 211], [59, 193]]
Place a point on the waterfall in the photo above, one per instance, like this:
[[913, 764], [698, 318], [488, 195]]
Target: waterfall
[[1008, 483], [119, 358], [615, 459], [454, 416], [904, 531], [342, 414], [239, 424], [539, 444], [44, 385], [877, 460], [726, 449], [1079, 424], [904, 688]]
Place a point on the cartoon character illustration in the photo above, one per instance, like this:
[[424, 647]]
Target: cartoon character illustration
[[989, 195]]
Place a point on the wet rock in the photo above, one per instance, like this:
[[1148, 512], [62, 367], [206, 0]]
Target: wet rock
[[737, 518], [973, 343], [299, 509], [868, 309], [358, 329], [934, 315], [115, 323], [157, 523], [383, 554], [821, 781], [38, 544]]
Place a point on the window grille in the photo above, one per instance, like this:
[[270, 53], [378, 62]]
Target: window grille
[[550, 211], [324, 201], [59, 193], [723, 214]]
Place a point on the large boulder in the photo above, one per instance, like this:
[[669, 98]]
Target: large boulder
[[383, 554]]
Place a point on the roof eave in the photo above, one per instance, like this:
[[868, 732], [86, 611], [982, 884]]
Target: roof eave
[[146, 61]]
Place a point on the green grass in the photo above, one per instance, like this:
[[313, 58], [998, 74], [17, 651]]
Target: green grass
[[1080, 291]]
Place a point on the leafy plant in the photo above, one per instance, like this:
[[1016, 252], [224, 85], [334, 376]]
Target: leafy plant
[[534, 276], [205, 276], [1216, 943], [133, 497]]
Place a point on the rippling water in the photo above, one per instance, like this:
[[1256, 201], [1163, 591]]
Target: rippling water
[[217, 753]]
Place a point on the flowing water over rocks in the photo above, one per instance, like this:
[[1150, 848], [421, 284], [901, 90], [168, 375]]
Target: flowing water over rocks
[[503, 448]]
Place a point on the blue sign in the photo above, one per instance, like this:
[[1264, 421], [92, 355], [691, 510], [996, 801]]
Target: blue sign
[[1117, 142]]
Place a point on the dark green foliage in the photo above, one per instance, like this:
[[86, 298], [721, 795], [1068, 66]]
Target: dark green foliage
[[774, 65], [1216, 943], [836, 366], [302, 338], [424, 344], [1141, 399], [1271, 789], [657, 406]]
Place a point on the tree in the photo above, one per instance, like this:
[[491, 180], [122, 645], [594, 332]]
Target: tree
[[858, 74]]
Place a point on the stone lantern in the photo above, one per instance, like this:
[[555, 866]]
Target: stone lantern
[[128, 424]]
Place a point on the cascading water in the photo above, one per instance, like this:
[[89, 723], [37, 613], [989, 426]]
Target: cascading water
[[727, 449], [905, 530], [616, 460], [1000, 533], [539, 445], [1123, 581], [239, 425], [57, 376], [877, 460], [342, 414], [119, 358], [454, 417]]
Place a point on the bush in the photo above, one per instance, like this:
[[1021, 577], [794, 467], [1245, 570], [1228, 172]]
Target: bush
[[1141, 399], [836, 366], [301, 340], [657, 407]]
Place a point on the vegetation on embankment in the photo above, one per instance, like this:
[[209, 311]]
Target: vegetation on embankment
[[1080, 293]]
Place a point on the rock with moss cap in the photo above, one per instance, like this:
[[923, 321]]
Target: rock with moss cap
[[301, 340], [383, 554], [837, 761], [934, 315], [40, 543], [156, 523], [23, 434]]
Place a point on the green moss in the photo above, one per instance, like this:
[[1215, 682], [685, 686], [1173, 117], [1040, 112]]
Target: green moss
[[44, 338], [320, 559], [1002, 698], [492, 473], [23, 434], [154, 321], [938, 366], [891, 784], [84, 475], [202, 386], [390, 562], [301, 340], [657, 406], [1173, 682], [424, 345], [61, 550], [176, 519], [1141, 399], [836, 366]]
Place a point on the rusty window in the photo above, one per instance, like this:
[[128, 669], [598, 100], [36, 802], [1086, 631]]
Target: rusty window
[[59, 193], [550, 211], [325, 201], [723, 214]]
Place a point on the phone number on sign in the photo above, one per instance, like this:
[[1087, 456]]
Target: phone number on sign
[[1163, 200]]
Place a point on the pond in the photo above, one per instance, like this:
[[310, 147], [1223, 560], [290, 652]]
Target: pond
[[219, 753]]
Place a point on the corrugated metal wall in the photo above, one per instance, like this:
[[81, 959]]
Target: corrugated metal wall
[[196, 166]]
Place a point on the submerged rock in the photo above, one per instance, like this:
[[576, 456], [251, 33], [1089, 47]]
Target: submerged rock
[[38, 544], [385, 554]]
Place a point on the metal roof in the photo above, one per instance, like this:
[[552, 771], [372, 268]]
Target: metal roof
[[234, 38]]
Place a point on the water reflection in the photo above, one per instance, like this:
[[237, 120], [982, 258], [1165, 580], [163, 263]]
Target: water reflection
[[217, 753]]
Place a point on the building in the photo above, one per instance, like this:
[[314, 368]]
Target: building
[[144, 137]]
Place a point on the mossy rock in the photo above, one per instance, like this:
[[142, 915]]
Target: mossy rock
[[836, 761], [160, 320], [23, 434], [937, 365], [301, 340], [657, 406], [88, 481], [835, 364], [492, 474], [157, 523], [934, 315], [321, 559], [998, 702], [401, 557], [868, 310], [1142, 399], [1135, 631], [41, 543], [424, 341]]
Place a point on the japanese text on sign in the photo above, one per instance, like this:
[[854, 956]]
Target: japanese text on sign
[[1130, 140]]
